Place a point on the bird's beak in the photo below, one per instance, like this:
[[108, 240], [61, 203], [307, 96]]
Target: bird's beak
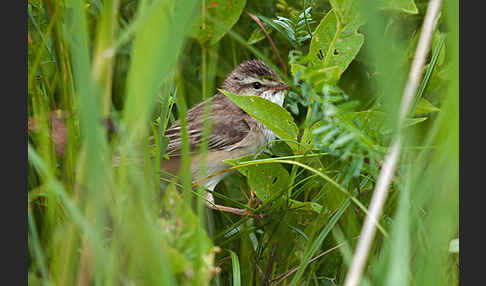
[[281, 86]]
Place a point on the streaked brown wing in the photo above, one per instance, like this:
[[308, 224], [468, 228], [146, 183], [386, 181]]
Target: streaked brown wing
[[228, 126]]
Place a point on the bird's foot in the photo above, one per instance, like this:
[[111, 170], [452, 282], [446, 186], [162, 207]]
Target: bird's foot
[[253, 203], [227, 209], [210, 204]]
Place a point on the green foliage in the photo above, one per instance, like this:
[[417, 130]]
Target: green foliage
[[318, 241], [424, 106], [407, 6], [258, 34], [335, 44], [99, 211], [297, 27], [225, 13], [267, 180]]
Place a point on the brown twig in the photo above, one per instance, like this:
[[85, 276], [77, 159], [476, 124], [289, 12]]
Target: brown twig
[[255, 18], [260, 271], [219, 262], [271, 260]]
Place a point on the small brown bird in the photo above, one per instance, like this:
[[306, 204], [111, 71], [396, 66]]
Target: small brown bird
[[234, 133]]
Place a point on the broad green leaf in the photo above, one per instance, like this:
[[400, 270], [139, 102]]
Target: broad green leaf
[[275, 117], [407, 6], [265, 180], [225, 13], [424, 106], [318, 74], [334, 44], [347, 10]]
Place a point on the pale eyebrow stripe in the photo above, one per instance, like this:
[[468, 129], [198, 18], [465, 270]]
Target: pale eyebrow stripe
[[272, 78]]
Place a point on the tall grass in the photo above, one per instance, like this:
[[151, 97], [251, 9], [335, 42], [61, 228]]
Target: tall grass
[[101, 213]]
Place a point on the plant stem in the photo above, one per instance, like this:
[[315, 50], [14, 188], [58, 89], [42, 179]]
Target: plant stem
[[380, 193]]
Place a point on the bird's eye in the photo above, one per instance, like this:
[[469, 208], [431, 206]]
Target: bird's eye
[[257, 85]]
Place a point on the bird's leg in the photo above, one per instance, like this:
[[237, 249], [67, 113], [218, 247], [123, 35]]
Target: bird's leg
[[210, 204]]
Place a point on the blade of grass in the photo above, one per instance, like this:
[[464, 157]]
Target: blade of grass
[[34, 241], [284, 276], [428, 73], [235, 264], [379, 195], [318, 241], [399, 270], [103, 58], [57, 188]]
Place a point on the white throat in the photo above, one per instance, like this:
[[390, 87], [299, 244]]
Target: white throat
[[277, 98]]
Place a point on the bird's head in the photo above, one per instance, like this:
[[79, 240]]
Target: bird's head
[[255, 78]]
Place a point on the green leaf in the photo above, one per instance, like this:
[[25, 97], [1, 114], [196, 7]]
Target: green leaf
[[236, 268], [407, 6], [318, 74], [225, 13], [267, 179], [264, 179], [424, 106], [412, 121], [276, 24], [347, 10], [334, 44], [275, 117]]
